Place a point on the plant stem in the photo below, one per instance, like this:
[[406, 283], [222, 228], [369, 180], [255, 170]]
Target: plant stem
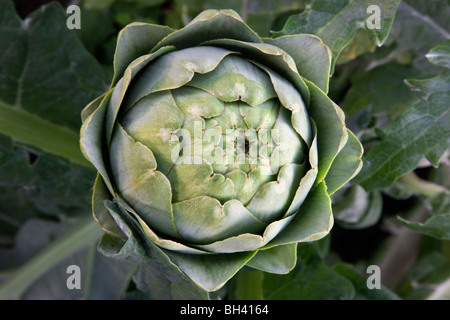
[[441, 292], [41, 133], [402, 251], [421, 187], [445, 248], [248, 285], [83, 234]]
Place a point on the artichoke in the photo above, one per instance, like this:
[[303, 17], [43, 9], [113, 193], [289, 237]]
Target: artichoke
[[215, 148]]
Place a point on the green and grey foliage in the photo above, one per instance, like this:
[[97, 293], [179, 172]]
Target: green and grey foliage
[[356, 171]]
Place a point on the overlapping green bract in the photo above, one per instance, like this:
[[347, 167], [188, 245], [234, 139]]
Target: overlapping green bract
[[216, 148]]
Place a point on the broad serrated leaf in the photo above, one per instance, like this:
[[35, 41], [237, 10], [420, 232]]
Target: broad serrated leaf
[[46, 77], [44, 67], [419, 25], [429, 278], [359, 281], [337, 22], [422, 131], [360, 44], [312, 279], [389, 79], [43, 252], [437, 226], [34, 183]]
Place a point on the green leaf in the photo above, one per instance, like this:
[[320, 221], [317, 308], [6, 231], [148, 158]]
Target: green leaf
[[38, 132], [354, 208], [47, 71], [312, 222], [37, 267], [419, 25], [440, 203], [311, 280], [329, 119], [312, 57], [440, 55], [260, 15], [210, 25], [164, 281], [389, 79], [422, 131], [337, 23], [437, 226], [157, 276], [105, 219], [91, 137], [34, 183], [135, 40], [96, 33], [280, 260], [428, 279], [160, 278], [210, 271], [360, 45], [46, 77], [359, 281], [441, 176], [346, 165], [246, 285]]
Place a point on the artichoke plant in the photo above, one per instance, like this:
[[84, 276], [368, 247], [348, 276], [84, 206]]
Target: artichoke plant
[[216, 148]]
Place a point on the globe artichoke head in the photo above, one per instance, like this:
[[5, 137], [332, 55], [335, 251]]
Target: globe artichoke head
[[217, 148]]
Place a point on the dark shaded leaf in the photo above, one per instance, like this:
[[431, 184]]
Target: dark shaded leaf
[[360, 283], [43, 252], [437, 226], [429, 279], [388, 79], [312, 279], [34, 183], [44, 67], [422, 131], [337, 23], [355, 208]]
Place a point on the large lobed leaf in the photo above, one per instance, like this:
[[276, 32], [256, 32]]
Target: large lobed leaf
[[46, 76], [44, 67], [419, 25], [38, 241], [314, 279], [422, 131], [337, 22]]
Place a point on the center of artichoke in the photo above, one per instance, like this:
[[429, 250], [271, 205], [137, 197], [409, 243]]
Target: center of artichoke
[[226, 141]]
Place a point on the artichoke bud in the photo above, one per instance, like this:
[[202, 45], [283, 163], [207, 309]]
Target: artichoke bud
[[216, 144]]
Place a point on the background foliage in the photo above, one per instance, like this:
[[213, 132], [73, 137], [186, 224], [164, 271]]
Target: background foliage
[[392, 83]]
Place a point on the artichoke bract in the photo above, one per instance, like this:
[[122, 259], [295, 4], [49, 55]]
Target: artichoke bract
[[216, 148]]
